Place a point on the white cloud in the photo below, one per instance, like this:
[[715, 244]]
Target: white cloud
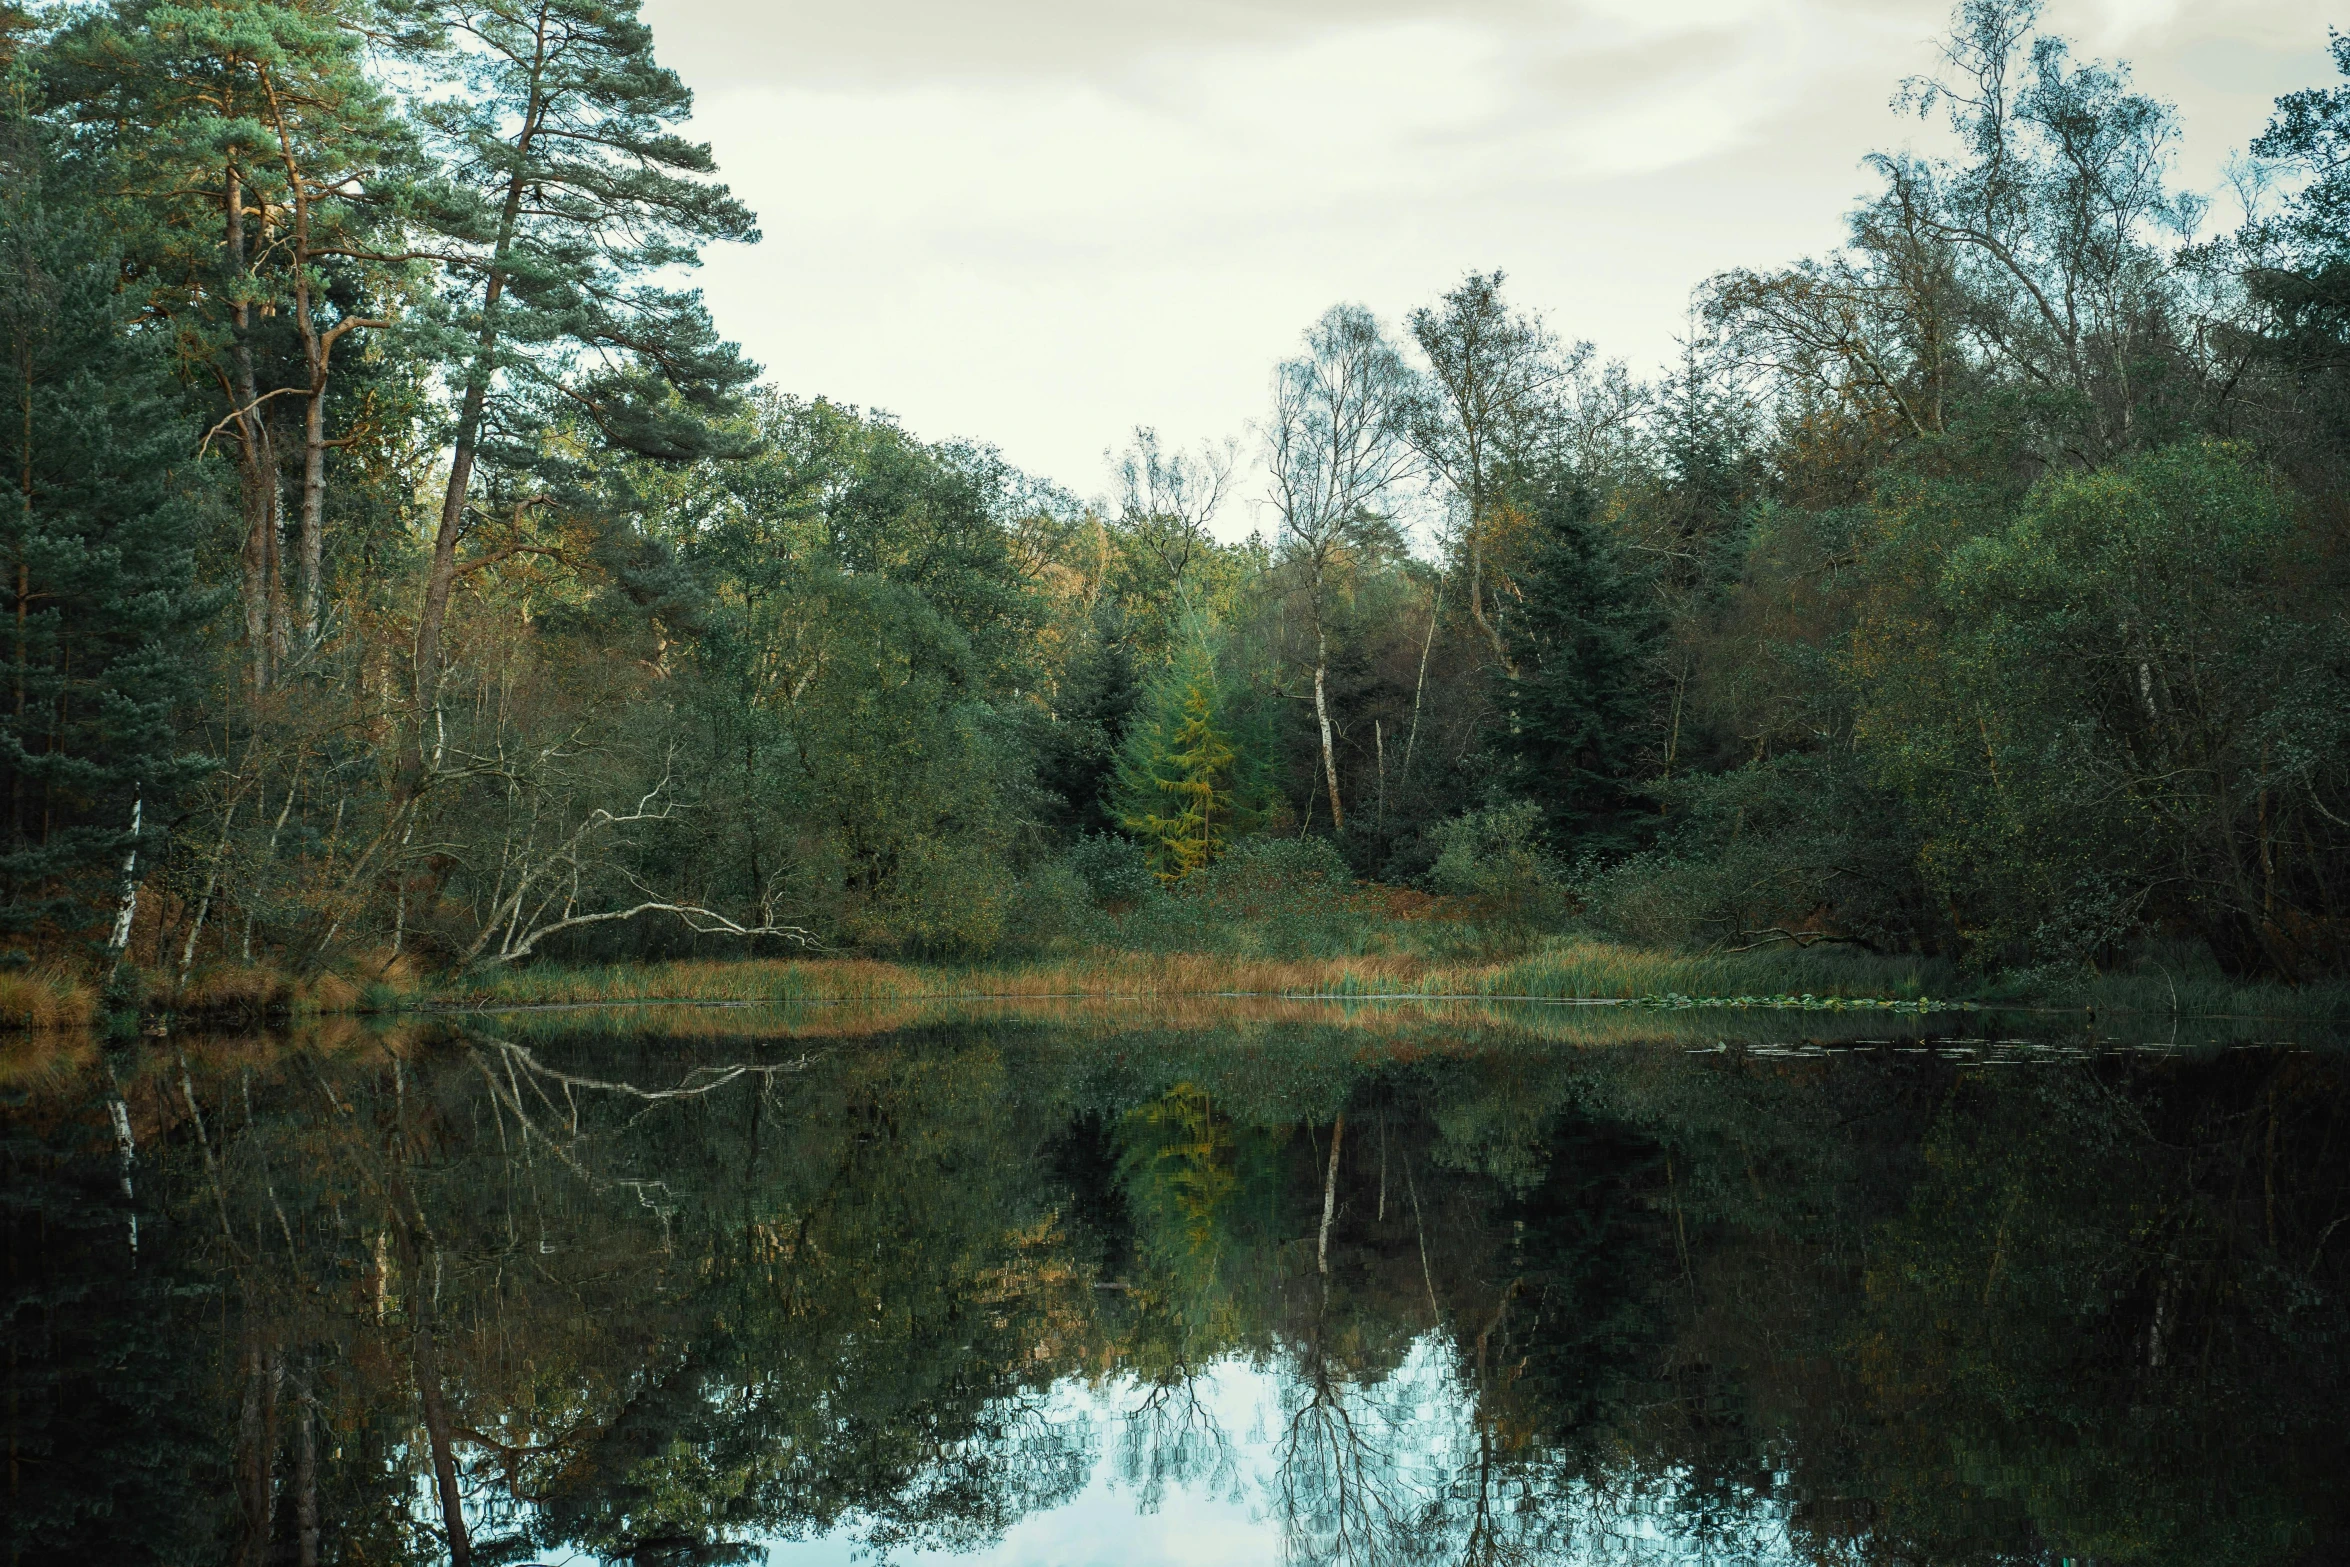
[[1043, 223]]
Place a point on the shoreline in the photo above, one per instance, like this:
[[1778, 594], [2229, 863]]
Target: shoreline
[[1563, 971]]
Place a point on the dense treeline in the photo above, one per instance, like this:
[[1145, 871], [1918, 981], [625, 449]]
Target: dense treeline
[[403, 569]]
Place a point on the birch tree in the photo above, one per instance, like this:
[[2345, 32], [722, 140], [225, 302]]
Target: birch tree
[[1493, 380], [1335, 448]]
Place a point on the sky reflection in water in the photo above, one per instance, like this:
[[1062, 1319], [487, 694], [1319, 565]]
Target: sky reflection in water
[[1421, 1424]]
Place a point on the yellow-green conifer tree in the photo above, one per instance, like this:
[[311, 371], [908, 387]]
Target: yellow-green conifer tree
[[1176, 776]]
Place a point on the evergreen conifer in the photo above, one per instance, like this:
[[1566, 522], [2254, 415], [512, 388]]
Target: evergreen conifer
[[97, 541], [565, 189], [1569, 723], [1178, 771]]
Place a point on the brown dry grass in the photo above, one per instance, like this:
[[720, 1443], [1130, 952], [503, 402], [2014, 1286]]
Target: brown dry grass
[[235, 990], [1571, 967], [252, 992], [1567, 968], [861, 979], [54, 999], [43, 998]]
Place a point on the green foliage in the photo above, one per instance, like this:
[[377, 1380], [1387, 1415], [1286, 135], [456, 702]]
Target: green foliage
[[1792, 849], [1114, 869], [1499, 859], [2124, 709], [1311, 866], [1275, 880], [1179, 782], [1909, 610], [1077, 746], [97, 541], [893, 829], [1569, 721], [560, 182], [2311, 129]]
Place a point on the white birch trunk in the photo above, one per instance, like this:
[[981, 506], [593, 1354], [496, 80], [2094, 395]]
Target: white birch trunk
[[128, 909]]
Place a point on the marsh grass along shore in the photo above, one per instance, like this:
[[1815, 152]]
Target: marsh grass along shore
[[1560, 968]]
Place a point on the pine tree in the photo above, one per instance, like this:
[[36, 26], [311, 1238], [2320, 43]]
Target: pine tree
[[1570, 722], [257, 154], [567, 187], [1177, 773], [97, 541], [1078, 751]]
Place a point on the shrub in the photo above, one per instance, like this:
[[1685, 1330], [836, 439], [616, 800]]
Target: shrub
[[1263, 866], [2121, 710], [1054, 907], [1799, 843], [1114, 870], [1495, 858]]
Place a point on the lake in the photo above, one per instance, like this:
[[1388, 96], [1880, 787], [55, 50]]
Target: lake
[[1192, 1282]]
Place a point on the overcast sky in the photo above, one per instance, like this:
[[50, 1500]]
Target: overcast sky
[[1041, 222]]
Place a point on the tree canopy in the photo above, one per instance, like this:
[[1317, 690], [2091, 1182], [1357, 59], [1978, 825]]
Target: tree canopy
[[399, 539]]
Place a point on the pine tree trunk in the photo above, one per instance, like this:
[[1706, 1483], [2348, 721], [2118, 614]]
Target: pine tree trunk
[[310, 550], [443, 576], [255, 469], [256, 580], [274, 534], [309, 562]]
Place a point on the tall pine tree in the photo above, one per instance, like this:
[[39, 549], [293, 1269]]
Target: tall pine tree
[[566, 189], [254, 154], [97, 540], [1570, 722]]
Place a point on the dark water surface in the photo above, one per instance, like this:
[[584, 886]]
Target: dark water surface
[[1193, 1284]]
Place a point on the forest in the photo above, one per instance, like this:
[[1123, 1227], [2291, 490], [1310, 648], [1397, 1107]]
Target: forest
[[407, 576]]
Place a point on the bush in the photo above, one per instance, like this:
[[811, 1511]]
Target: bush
[[1495, 858], [1797, 843], [1114, 870], [939, 902], [1054, 907], [1280, 869], [1278, 897], [1265, 897], [2115, 710]]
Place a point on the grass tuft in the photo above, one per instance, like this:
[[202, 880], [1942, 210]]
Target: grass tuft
[[44, 998]]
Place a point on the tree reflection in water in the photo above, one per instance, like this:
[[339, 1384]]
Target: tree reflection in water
[[493, 1293]]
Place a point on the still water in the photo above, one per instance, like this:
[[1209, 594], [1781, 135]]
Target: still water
[[1187, 1284]]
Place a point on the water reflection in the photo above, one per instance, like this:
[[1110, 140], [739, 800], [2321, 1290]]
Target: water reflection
[[1296, 1285]]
